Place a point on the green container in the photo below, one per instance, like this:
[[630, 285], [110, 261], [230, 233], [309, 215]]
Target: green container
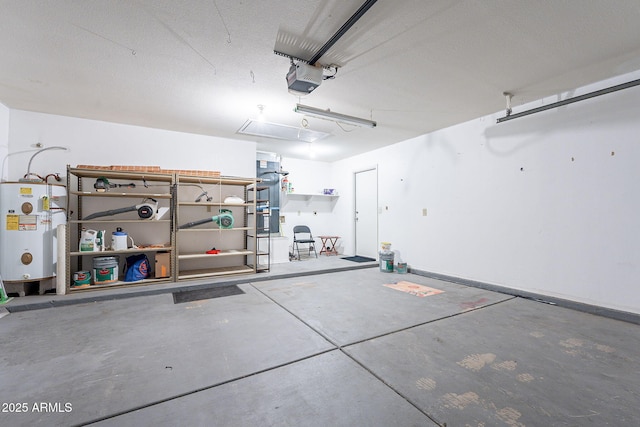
[[401, 267], [105, 270], [81, 278]]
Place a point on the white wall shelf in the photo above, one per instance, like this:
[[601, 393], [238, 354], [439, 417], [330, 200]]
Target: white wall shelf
[[308, 197]]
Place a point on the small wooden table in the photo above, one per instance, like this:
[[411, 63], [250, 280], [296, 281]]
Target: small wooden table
[[329, 245]]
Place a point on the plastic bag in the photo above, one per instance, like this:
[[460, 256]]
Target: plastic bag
[[138, 268]]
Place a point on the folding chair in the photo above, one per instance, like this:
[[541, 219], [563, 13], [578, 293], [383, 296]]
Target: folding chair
[[302, 235]]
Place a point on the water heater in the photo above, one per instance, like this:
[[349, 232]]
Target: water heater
[[30, 211]]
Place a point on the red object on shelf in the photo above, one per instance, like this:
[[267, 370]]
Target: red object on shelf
[[213, 251]]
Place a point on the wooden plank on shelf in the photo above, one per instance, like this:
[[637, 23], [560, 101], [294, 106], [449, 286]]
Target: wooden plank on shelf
[[210, 272], [118, 194], [194, 173], [121, 168], [107, 221], [151, 169], [222, 180], [120, 284], [223, 253], [86, 171], [121, 252], [216, 204]]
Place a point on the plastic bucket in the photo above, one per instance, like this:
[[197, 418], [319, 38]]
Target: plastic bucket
[[386, 258], [81, 278], [105, 270]]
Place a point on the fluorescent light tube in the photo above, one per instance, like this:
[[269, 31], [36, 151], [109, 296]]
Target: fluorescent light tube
[[330, 115]]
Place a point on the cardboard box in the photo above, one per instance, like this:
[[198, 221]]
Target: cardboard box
[[163, 265]]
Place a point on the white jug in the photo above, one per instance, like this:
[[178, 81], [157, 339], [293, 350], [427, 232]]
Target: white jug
[[88, 240], [119, 240]]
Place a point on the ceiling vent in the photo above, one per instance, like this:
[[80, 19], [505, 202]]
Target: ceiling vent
[[278, 131]]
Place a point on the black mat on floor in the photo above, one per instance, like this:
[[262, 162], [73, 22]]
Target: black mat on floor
[[358, 258], [207, 293]]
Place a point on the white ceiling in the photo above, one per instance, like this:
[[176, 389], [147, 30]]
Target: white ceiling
[[203, 66]]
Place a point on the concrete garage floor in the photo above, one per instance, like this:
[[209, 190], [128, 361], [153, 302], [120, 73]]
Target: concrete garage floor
[[336, 349]]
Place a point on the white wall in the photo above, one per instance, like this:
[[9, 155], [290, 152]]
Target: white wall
[[309, 177], [101, 143], [546, 203], [4, 137]]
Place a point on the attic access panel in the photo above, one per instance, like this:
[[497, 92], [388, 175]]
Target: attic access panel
[[279, 131]]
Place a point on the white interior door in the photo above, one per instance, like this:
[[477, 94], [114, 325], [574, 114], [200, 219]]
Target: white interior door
[[366, 213]]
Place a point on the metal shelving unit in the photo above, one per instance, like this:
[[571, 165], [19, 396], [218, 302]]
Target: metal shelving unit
[[84, 198], [193, 243], [184, 197], [262, 236]]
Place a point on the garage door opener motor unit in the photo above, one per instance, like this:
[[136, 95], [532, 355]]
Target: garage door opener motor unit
[[303, 78]]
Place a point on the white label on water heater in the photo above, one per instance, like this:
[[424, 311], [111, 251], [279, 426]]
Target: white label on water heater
[[28, 222]]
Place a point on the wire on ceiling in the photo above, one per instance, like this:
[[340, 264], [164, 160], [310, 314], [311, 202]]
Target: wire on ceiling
[[223, 23], [345, 130], [133, 52], [183, 40], [331, 76]]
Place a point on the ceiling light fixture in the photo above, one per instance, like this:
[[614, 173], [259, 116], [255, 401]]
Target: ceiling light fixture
[[337, 117]]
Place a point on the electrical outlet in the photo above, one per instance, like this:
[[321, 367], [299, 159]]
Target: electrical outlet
[[424, 211]]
